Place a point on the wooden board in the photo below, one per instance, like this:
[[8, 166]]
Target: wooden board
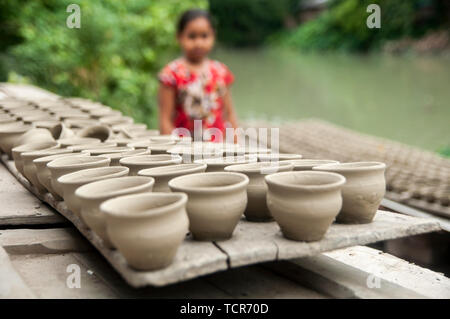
[[19, 207], [252, 243], [363, 272], [36, 260]]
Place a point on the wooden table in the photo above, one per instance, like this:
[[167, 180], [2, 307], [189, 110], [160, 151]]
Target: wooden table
[[33, 264]]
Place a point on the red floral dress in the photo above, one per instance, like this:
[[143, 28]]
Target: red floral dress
[[199, 95]]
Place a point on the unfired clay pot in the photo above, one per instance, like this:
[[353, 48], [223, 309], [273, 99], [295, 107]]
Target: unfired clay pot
[[70, 182], [116, 157], [102, 132], [66, 165], [117, 128], [164, 174], [80, 123], [218, 164], [43, 172], [135, 133], [71, 141], [190, 154], [154, 147], [18, 150], [216, 202], [10, 134], [32, 119], [363, 191], [136, 163], [107, 150], [167, 138], [308, 164], [29, 168], [257, 209], [116, 119], [93, 194], [56, 128], [102, 112], [304, 204], [85, 147], [121, 141], [35, 135], [275, 157], [147, 229], [236, 150]]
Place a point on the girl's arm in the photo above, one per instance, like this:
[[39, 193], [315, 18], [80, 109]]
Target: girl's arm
[[166, 101], [230, 114]]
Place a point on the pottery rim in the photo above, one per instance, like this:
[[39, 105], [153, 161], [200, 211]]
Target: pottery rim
[[309, 163], [102, 172], [228, 160], [73, 161], [351, 167], [122, 206], [278, 179], [30, 147], [91, 146], [128, 153], [184, 183], [276, 156], [172, 170], [164, 159], [48, 158], [107, 150], [90, 191], [47, 152], [70, 141], [258, 167]]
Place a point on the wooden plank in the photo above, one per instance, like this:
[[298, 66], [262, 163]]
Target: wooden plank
[[99, 280], [442, 212], [403, 209], [386, 225], [253, 243], [395, 270], [43, 241], [11, 283], [20, 207], [363, 272], [257, 282]]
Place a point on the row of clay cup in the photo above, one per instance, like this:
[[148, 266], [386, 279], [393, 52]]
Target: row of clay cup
[[22, 123], [303, 203]]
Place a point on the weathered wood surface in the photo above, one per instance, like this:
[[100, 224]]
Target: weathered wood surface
[[19, 207], [363, 272], [28, 271], [410, 211], [252, 243]]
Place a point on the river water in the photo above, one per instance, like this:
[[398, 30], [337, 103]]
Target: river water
[[403, 98]]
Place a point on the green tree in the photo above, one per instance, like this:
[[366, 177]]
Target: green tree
[[113, 58]]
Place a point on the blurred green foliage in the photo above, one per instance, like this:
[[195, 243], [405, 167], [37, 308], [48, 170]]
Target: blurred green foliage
[[113, 58], [444, 151], [248, 23], [342, 26]]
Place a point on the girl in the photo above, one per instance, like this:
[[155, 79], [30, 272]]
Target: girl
[[193, 87]]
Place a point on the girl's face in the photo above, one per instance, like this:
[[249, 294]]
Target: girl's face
[[197, 39]]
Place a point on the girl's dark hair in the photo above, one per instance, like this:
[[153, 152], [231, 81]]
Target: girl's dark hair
[[193, 14]]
